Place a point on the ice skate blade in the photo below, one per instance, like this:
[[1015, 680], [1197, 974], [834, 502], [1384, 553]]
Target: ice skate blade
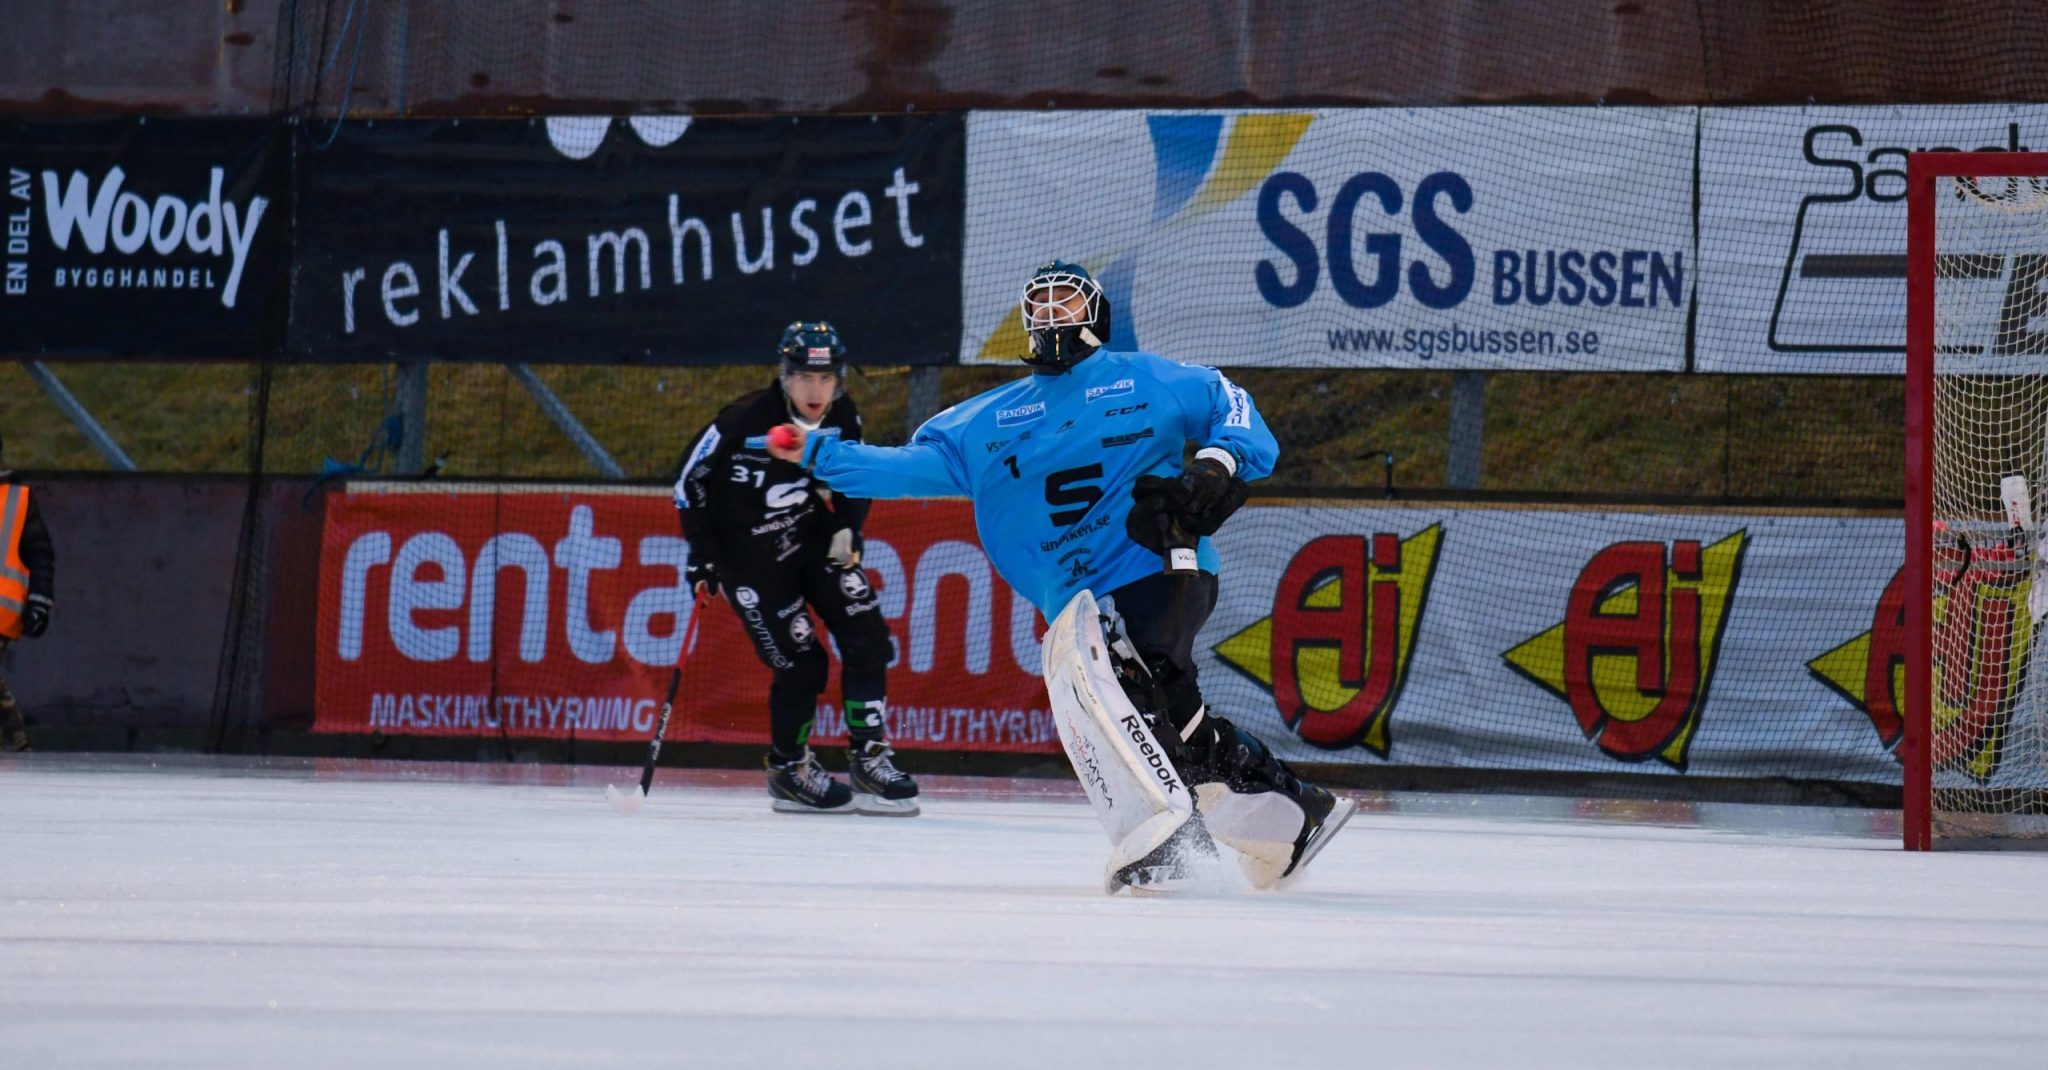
[[1339, 814], [1147, 882], [627, 802], [785, 806], [877, 806]]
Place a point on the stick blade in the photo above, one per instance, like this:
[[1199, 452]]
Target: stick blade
[[627, 802]]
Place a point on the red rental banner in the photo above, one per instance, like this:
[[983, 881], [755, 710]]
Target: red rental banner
[[557, 612]]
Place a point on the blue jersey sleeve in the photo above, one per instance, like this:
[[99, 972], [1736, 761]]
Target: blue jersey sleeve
[[929, 467], [1220, 413]]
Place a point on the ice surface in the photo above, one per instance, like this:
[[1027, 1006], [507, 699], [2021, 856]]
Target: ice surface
[[302, 914]]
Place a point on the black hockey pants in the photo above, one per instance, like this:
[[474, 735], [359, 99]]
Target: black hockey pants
[[770, 598]]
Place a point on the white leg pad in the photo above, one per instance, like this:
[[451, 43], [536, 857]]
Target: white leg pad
[[1137, 793], [1261, 828]]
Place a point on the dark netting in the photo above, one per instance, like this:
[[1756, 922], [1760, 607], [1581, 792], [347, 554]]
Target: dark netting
[[1579, 329]]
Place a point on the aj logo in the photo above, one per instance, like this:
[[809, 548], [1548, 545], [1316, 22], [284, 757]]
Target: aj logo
[[1983, 636], [1870, 670], [1335, 653], [1636, 650]]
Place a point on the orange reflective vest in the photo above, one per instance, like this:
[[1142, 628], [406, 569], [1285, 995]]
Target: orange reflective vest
[[13, 574]]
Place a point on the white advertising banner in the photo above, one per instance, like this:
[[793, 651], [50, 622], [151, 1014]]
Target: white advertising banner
[[1698, 644], [1803, 230], [1457, 238]]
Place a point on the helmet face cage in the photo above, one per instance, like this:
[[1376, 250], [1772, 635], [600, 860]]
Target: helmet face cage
[[1063, 330]]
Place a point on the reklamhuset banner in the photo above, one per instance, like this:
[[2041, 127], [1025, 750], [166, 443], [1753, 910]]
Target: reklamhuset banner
[[143, 238], [1497, 238], [658, 239], [1803, 230]]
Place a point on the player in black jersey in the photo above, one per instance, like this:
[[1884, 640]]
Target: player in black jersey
[[772, 539]]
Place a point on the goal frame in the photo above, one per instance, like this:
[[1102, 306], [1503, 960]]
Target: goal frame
[[1923, 170]]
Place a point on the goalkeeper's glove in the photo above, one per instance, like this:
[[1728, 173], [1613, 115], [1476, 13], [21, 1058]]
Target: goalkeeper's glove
[[1207, 481]]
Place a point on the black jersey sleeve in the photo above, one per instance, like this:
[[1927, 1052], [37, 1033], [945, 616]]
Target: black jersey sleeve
[[697, 491]]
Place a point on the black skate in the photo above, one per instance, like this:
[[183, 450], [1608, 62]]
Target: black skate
[[1244, 796], [1326, 814], [801, 786], [1257, 804], [1170, 867], [879, 788]]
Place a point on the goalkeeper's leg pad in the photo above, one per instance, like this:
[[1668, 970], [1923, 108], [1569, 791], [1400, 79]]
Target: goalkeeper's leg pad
[[1128, 772]]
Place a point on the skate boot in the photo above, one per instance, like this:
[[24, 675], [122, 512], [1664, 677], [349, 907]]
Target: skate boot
[[1256, 803], [879, 788], [801, 786], [1170, 867]]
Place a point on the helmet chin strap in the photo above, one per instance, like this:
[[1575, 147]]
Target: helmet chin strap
[[1086, 336]]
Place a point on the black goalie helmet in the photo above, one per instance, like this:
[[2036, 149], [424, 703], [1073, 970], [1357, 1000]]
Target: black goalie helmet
[[1065, 315], [811, 346]]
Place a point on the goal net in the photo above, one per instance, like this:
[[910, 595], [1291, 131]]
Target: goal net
[[1977, 466]]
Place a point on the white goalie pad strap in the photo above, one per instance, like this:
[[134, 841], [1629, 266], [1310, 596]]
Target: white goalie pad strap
[[1136, 791]]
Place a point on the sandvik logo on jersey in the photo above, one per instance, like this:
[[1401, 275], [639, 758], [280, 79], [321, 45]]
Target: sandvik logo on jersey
[[757, 442], [1023, 414], [1335, 651], [1637, 647], [1199, 171], [1983, 642], [1114, 390]]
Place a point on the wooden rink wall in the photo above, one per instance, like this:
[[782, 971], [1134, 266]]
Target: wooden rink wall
[[95, 57]]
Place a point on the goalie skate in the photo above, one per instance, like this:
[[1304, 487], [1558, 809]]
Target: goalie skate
[[1256, 804]]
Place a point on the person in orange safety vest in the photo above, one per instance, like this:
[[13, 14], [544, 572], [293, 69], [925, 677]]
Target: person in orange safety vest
[[28, 577]]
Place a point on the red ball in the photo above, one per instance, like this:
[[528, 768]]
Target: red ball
[[782, 437]]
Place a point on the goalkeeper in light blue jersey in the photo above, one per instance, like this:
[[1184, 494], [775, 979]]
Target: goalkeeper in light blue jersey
[[1077, 481]]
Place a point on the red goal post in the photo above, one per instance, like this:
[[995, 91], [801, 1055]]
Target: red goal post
[[1975, 748]]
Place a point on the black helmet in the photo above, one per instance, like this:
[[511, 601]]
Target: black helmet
[[1060, 336], [811, 346]]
